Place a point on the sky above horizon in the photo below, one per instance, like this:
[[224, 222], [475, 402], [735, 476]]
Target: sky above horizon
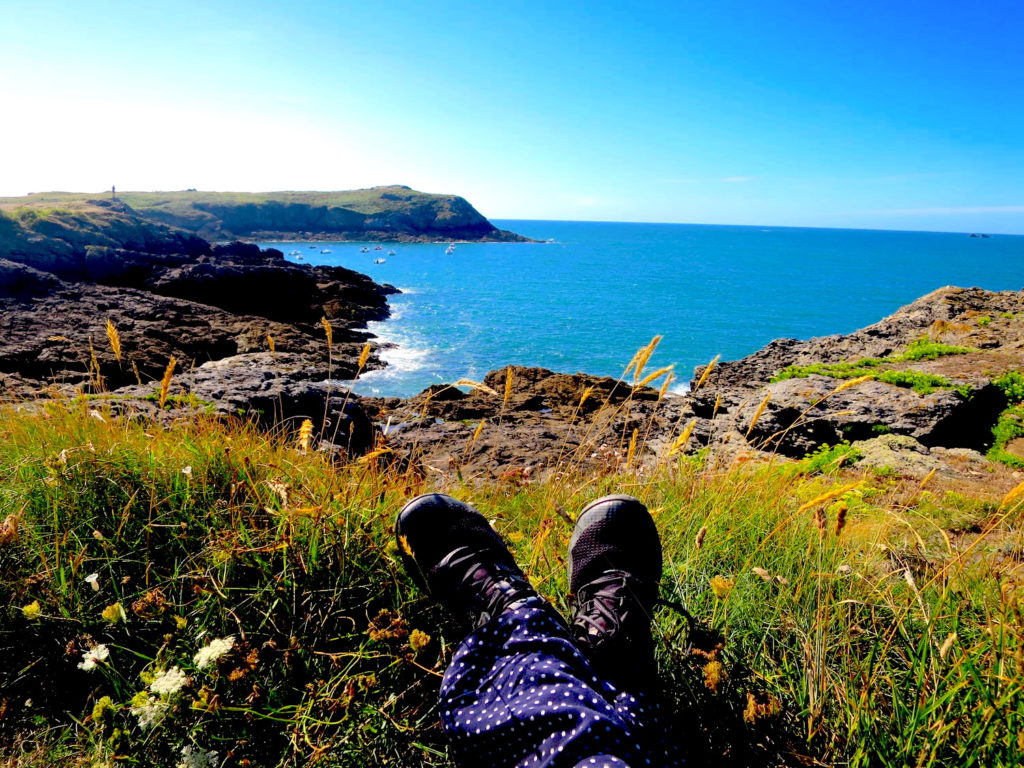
[[888, 115]]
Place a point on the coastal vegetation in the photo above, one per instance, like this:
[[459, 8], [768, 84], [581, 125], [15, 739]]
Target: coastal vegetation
[[178, 589], [381, 213], [920, 381], [197, 564]]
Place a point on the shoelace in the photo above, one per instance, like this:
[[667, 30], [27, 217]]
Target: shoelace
[[603, 605], [488, 588]]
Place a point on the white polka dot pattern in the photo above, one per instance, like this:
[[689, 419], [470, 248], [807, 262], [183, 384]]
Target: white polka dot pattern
[[519, 693]]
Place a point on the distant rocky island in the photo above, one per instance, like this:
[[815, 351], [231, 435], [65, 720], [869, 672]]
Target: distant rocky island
[[390, 213]]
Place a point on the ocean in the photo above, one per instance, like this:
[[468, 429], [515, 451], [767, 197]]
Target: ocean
[[586, 300]]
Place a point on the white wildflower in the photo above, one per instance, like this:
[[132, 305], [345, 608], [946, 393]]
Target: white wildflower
[[193, 757], [150, 710], [169, 682], [92, 658], [93, 580], [215, 650], [186, 471]]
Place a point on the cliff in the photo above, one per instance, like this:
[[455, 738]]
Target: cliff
[[390, 213], [96, 300]]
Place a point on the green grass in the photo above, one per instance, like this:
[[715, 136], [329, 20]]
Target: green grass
[[920, 349], [834, 650], [181, 206]]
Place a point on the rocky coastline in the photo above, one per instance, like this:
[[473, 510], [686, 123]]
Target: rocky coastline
[[96, 302], [920, 390]]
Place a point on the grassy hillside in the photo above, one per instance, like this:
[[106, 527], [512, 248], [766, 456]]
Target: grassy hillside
[[393, 212], [853, 619], [373, 200]]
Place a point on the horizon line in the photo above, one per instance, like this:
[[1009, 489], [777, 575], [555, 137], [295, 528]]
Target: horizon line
[[989, 232]]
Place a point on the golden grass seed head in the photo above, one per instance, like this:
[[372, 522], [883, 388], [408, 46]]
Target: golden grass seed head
[[663, 389], [509, 378], [364, 355], [652, 376], [758, 413], [828, 496], [478, 385], [165, 382], [707, 372], [680, 442], [115, 339], [305, 440], [853, 382]]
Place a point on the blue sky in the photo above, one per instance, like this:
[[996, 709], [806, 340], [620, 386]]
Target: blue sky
[[895, 115]]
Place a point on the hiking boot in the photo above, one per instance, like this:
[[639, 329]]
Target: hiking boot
[[452, 552], [614, 572]]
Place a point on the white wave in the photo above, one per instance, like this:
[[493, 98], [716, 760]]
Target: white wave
[[403, 358]]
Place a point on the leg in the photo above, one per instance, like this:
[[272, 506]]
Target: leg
[[615, 563], [518, 691]]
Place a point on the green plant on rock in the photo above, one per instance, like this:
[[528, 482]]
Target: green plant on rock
[[922, 383], [832, 370], [919, 349], [1012, 385], [924, 349], [1008, 428], [827, 459]]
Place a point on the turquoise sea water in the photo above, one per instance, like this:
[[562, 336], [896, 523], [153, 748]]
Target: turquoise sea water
[[588, 300]]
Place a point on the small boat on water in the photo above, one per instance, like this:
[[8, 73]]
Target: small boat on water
[[326, 250], [364, 249], [379, 261], [392, 253], [294, 253], [299, 257], [450, 249], [378, 247]]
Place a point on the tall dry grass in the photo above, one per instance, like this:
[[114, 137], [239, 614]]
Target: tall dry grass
[[841, 618]]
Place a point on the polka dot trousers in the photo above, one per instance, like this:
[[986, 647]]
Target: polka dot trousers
[[519, 693]]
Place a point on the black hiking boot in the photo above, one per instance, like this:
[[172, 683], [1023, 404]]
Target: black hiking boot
[[450, 550], [614, 573]]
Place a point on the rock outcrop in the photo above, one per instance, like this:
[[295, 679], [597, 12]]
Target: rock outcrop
[[739, 408], [97, 301]]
